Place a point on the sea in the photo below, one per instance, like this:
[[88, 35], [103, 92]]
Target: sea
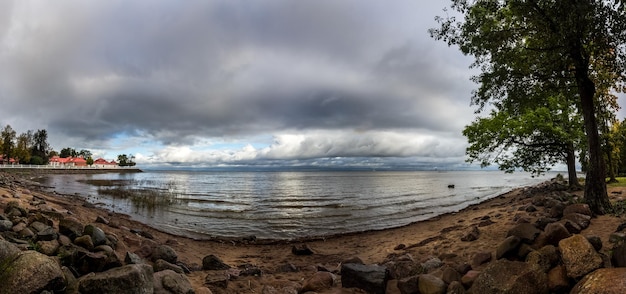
[[286, 205]]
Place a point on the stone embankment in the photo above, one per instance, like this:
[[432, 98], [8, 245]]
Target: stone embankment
[[47, 250]]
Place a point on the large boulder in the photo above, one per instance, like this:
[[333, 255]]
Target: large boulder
[[8, 250], [128, 279], [170, 282], [508, 247], [525, 231], [212, 263], [510, 277], [71, 227], [320, 281], [604, 280], [164, 252], [579, 256], [580, 208], [372, 278], [429, 284], [97, 235], [31, 272]]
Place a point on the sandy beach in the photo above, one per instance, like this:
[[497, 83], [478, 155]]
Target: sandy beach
[[438, 237]]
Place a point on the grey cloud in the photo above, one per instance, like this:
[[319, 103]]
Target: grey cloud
[[180, 72]]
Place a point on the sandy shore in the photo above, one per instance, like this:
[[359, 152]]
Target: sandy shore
[[438, 237]]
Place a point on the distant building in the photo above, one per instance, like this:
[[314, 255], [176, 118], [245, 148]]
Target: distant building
[[57, 161], [11, 160], [102, 163]]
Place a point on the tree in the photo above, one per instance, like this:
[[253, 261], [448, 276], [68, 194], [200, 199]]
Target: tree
[[24, 145], [533, 139], [525, 46], [84, 153], [125, 160], [89, 161], [8, 143], [41, 148], [68, 152]]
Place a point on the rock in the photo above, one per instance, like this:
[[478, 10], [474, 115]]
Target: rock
[[429, 284], [556, 232], [581, 220], [97, 235], [595, 241], [507, 247], [251, 270], [542, 222], [450, 275], [47, 234], [558, 282], [31, 272], [404, 268], [48, 247], [320, 281], [170, 282], [217, 279], [87, 262], [372, 278], [302, 249], [8, 251], [132, 258], [71, 227], [164, 252], [471, 235], [616, 238], [161, 265], [26, 233], [455, 288], [212, 262], [409, 285], [618, 255], [431, 264], [556, 211], [571, 226], [525, 232], [604, 280], [580, 208], [481, 258], [287, 268], [5, 225], [128, 279], [353, 259], [504, 276], [102, 220], [545, 258], [399, 247], [579, 257], [84, 241], [468, 279]]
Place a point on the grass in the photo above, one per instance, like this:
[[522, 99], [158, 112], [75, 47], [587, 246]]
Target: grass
[[621, 182], [140, 193]]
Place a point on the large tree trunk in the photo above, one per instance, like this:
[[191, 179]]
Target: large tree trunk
[[570, 159], [595, 181]]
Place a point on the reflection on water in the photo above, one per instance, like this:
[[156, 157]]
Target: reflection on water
[[285, 205]]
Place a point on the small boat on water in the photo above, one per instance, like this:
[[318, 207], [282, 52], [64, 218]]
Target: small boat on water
[[451, 186]]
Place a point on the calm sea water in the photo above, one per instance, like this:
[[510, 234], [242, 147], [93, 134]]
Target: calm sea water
[[288, 205]]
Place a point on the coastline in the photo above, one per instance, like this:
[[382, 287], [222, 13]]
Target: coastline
[[438, 237]]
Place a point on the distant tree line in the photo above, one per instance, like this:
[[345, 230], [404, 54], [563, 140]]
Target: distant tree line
[[32, 147]]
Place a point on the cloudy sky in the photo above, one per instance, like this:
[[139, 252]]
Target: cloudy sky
[[233, 82]]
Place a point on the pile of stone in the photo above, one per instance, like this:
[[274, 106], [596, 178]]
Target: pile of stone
[[36, 257]]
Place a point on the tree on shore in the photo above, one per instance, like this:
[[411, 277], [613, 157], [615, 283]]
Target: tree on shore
[[126, 160], [23, 148], [41, 148], [524, 46], [8, 143], [532, 139]]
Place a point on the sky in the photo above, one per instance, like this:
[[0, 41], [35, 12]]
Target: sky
[[355, 83]]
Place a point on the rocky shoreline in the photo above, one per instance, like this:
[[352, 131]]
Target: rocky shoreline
[[532, 240]]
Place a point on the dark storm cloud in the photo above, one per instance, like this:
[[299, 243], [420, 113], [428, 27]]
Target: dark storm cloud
[[177, 72]]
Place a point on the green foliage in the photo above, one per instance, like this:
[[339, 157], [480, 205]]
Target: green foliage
[[36, 160], [533, 139], [89, 161], [529, 50], [68, 152], [126, 160]]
